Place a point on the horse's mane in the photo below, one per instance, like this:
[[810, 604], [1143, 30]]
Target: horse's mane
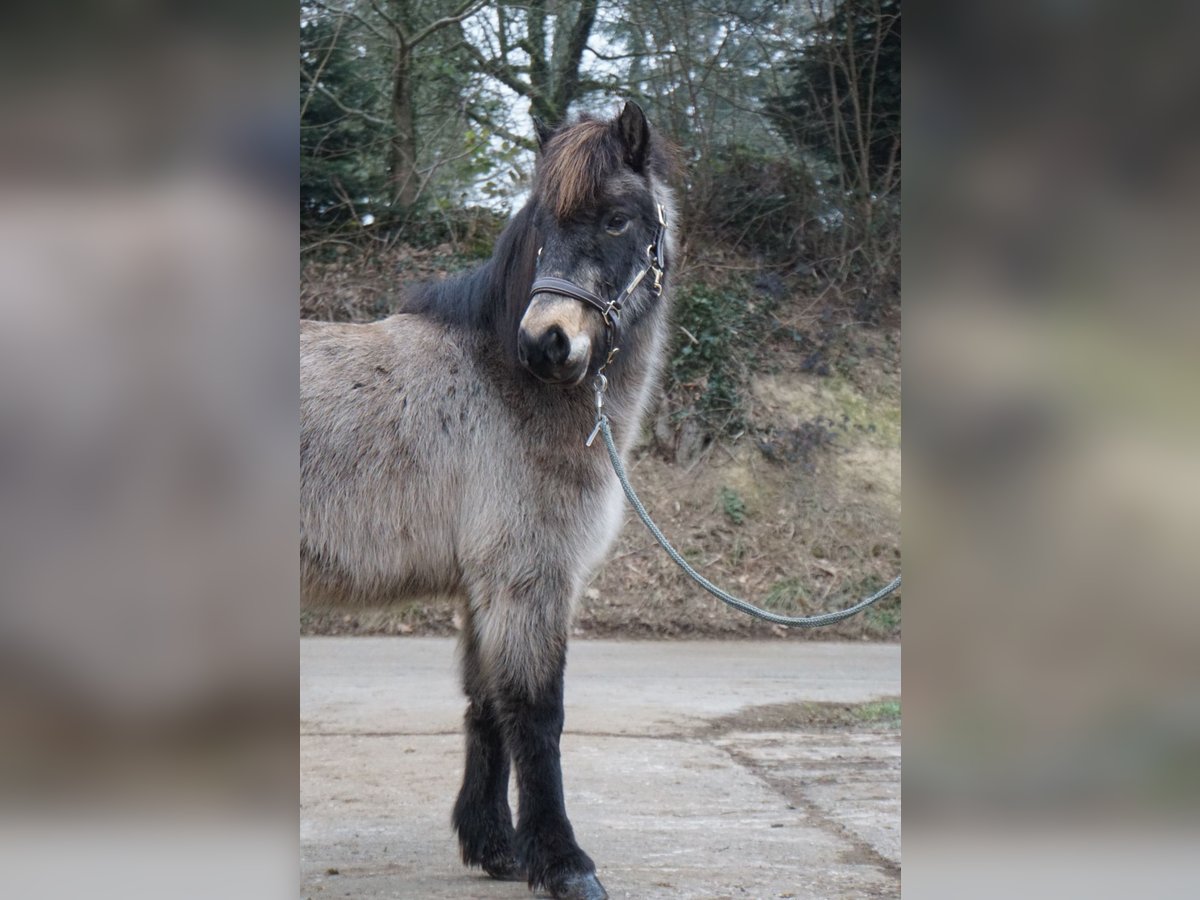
[[491, 298]]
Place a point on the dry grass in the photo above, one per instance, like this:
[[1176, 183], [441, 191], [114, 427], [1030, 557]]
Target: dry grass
[[812, 537]]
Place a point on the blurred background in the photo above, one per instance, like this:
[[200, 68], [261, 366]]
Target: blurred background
[[148, 463], [148, 471], [772, 454], [1052, 448]]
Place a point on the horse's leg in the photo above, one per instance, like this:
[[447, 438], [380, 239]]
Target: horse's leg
[[482, 816], [523, 643]]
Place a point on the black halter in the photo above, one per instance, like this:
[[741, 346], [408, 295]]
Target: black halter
[[611, 309]]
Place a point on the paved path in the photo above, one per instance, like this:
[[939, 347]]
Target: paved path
[[678, 786]]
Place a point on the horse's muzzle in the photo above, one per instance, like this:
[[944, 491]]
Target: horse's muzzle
[[552, 356]]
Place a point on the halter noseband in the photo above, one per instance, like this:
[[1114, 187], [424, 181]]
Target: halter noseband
[[611, 310]]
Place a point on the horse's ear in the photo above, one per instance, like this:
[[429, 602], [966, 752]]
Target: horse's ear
[[634, 132], [543, 132]]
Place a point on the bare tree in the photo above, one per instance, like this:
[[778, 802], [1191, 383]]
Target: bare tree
[[394, 30], [515, 52], [402, 23]]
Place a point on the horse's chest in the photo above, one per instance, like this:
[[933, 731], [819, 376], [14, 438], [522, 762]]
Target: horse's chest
[[602, 523]]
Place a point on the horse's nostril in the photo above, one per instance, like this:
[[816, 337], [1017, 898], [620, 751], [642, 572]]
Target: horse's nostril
[[555, 346], [527, 348], [547, 353]]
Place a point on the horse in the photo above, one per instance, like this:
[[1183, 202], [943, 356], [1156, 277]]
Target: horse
[[442, 451]]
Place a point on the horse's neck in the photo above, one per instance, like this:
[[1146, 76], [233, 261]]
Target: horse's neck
[[629, 388]]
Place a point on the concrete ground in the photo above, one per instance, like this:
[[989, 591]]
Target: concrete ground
[[684, 776]]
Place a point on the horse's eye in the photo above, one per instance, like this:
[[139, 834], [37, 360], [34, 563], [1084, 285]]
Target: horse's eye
[[617, 224]]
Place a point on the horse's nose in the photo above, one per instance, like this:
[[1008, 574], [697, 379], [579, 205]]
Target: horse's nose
[[546, 351]]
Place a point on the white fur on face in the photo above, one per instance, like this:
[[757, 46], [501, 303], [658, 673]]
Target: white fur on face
[[581, 348], [548, 310]]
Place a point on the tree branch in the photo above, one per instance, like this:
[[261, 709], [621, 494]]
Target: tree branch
[[349, 110], [617, 58], [500, 72], [466, 10], [321, 67], [540, 77], [397, 28], [590, 85], [566, 79], [337, 12], [505, 133]]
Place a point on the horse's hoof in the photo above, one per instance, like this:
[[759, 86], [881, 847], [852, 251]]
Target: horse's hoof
[[585, 886], [505, 869]]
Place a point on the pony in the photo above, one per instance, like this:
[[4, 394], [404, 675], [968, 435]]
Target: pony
[[442, 451]]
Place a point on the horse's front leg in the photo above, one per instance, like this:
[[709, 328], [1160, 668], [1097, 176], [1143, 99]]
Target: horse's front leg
[[482, 816], [523, 646]]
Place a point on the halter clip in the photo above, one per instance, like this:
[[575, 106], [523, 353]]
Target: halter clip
[[599, 385]]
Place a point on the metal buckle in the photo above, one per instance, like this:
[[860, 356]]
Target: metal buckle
[[599, 384], [632, 286]]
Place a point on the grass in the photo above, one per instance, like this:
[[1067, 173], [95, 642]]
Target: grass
[[884, 618], [738, 552], [786, 595], [874, 715], [733, 505], [883, 713], [880, 712], [716, 342]]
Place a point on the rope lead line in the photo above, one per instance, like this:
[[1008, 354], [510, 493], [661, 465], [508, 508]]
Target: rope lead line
[[736, 603]]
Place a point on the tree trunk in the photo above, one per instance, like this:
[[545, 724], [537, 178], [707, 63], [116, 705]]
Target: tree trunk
[[570, 40], [554, 78], [404, 134]]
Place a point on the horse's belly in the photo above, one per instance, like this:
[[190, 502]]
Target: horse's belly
[[379, 542]]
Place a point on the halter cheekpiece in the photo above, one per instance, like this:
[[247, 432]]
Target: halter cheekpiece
[[611, 309]]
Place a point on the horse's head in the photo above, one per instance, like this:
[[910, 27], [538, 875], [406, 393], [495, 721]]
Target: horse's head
[[600, 206]]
